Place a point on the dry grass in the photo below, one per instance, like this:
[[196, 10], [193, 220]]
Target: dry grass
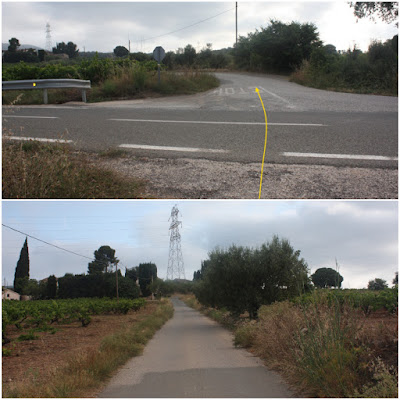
[[326, 351], [323, 350], [85, 370], [32, 170]]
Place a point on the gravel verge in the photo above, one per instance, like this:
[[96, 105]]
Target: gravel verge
[[186, 178]]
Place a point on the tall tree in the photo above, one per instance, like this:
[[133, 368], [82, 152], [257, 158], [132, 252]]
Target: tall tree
[[279, 47], [72, 50], [69, 49], [60, 48], [377, 284], [14, 44], [147, 273], [21, 277], [121, 51], [242, 279], [386, 11], [104, 258], [189, 55], [132, 273], [326, 278], [51, 287]]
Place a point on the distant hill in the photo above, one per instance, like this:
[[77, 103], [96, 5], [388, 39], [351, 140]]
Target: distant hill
[[4, 46]]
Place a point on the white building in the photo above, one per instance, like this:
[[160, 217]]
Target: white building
[[9, 294]]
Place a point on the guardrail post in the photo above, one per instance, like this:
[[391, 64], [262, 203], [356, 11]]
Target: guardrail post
[[84, 95], [45, 97]]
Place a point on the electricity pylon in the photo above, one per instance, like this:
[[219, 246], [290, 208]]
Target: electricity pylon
[[175, 259], [48, 37]]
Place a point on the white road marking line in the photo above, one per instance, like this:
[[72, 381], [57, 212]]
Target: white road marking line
[[28, 116], [341, 156], [278, 97], [186, 149], [37, 139], [45, 107], [212, 122]]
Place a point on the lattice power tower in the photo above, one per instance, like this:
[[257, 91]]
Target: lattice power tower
[[175, 260], [48, 37]]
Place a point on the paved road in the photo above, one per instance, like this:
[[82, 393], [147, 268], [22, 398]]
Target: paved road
[[192, 356], [305, 126]]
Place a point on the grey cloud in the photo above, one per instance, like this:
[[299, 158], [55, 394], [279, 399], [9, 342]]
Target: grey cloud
[[362, 235]]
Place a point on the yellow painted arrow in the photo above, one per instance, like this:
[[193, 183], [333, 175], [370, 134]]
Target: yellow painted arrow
[[265, 144]]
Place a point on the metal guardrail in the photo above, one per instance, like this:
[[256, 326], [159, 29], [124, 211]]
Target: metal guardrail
[[45, 84]]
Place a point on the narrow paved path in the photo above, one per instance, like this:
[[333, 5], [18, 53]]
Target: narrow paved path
[[192, 356]]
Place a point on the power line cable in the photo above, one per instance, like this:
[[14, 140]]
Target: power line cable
[[61, 248], [43, 241], [189, 26]]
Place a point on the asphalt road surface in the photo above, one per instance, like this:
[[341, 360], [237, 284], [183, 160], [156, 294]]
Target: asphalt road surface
[[192, 356], [305, 125]]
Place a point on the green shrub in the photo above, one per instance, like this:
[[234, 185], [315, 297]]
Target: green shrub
[[375, 71], [139, 77], [109, 88], [245, 335], [6, 352], [28, 336]]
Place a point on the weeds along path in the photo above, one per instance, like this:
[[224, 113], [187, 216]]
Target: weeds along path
[[76, 360], [193, 356]]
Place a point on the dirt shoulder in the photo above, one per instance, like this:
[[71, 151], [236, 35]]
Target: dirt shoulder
[[187, 178], [37, 360]]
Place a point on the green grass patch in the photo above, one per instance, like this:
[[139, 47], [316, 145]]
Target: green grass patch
[[6, 352], [33, 170], [244, 335], [188, 82], [27, 336]]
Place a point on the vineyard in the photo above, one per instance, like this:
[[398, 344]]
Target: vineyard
[[96, 70], [44, 315], [367, 300]]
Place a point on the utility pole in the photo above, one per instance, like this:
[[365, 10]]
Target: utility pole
[[236, 24], [175, 260]]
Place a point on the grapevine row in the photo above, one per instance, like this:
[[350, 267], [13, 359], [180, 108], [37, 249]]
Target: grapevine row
[[43, 313]]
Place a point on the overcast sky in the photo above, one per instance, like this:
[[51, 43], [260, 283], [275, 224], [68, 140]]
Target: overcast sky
[[101, 26], [362, 235]]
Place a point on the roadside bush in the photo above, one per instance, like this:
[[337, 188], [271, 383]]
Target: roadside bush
[[323, 345], [375, 71], [245, 335]]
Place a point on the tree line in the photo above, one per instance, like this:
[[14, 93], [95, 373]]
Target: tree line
[[241, 279], [14, 55], [238, 279], [101, 279]]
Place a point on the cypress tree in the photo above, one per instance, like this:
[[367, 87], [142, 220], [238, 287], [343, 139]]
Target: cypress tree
[[51, 287], [147, 271], [21, 276]]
